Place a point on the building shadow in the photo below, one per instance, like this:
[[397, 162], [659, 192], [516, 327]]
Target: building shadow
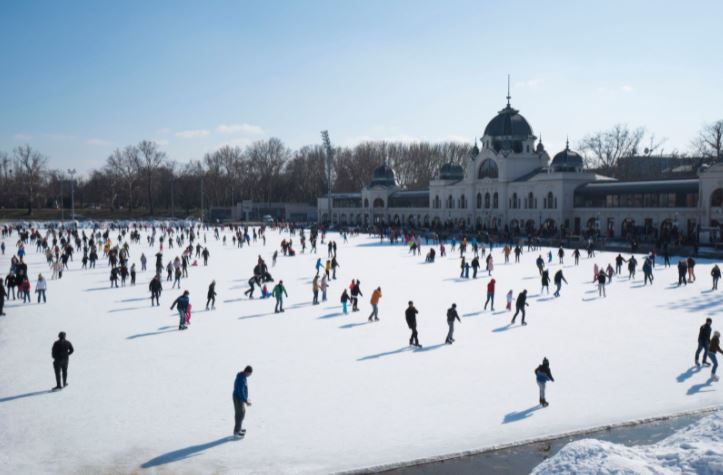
[[520, 415], [185, 453]]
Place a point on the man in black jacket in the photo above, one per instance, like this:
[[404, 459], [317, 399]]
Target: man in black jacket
[[704, 342], [62, 349], [520, 305], [411, 316], [452, 315]]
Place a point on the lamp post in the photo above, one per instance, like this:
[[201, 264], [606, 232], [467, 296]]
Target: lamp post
[[62, 208], [71, 172]]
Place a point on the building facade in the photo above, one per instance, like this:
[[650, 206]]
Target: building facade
[[511, 184]]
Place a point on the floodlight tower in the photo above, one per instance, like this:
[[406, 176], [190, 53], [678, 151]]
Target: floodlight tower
[[329, 157]]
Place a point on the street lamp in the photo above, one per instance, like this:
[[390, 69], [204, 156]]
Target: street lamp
[[71, 172]]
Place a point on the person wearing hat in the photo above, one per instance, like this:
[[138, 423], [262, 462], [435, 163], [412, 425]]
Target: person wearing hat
[[62, 349], [452, 315], [543, 375], [241, 400], [411, 316], [181, 303], [714, 348], [279, 291]]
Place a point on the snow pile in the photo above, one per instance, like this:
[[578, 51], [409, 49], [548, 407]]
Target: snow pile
[[696, 449]]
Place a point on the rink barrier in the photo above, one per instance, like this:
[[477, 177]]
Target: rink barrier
[[535, 440]]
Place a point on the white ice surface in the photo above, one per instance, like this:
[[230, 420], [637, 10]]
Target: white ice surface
[[697, 449], [331, 392]]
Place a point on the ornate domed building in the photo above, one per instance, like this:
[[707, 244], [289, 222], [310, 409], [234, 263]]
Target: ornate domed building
[[509, 184]]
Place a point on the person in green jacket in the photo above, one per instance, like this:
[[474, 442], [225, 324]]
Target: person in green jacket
[[279, 292]]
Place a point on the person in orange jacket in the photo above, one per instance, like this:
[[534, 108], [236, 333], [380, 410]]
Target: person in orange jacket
[[376, 295]]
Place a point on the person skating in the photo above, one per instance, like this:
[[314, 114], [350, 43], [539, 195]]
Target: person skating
[[410, 314], [647, 271], [576, 255], [355, 294], [3, 294], [545, 280], [475, 266], [540, 262], [542, 376], [704, 342], [253, 282], [344, 301], [181, 303], [509, 301], [155, 288], [715, 274], [61, 351], [682, 272], [559, 279], [490, 294], [452, 315], [41, 287], [324, 286], [211, 296], [713, 349], [315, 290], [279, 292], [133, 274], [374, 301], [691, 269], [241, 400], [520, 305], [205, 255], [601, 279]]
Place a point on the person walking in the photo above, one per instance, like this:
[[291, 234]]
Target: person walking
[[211, 296], [155, 288], [181, 304], [452, 315], [704, 342], [490, 294], [374, 301], [713, 349], [542, 376], [240, 401], [61, 351], [279, 291], [41, 287], [715, 274], [410, 314], [520, 305]]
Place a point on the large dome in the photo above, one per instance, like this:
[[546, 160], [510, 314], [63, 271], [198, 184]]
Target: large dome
[[508, 123], [383, 176], [450, 171], [567, 160]]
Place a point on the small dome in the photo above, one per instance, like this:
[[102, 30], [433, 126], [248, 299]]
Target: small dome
[[508, 123], [567, 161], [474, 151], [450, 171], [383, 176]]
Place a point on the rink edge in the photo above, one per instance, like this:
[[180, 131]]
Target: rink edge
[[534, 440]]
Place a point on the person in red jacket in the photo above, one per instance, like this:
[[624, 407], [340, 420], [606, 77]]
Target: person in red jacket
[[490, 294]]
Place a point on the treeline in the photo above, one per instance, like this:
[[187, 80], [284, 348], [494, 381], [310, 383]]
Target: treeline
[[142, 176]]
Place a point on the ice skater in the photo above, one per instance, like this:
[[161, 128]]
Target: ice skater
[[410, 314], [61, 351], [452, 315], [490, 294], [374, 301], [704, 342], [211, 296], [543, 375], [181, 304], [520, 305], [240, 401]]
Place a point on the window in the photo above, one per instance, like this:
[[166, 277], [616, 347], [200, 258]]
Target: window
[[716, 198], [463, 202], [379, 203], [550, 201], [450, 202], [530, 200], [495, 201], [514, 201], [487, 200], [479, 200], [488, 169], [437, 203]]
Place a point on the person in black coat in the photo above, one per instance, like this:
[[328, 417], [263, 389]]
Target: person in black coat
[[62, 349], [520, 305], [211, 297], [682, 272], [3, 294], [704, 342], [155, 287], [452, 315], [411, 316]]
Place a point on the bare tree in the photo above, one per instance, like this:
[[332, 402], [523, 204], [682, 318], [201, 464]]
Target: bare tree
[[151, 159], [709, 142], [30, 170], [606, 147], [126, 165], [266, 160]]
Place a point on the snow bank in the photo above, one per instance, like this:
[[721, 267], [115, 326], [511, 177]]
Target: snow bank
[[696, 449]]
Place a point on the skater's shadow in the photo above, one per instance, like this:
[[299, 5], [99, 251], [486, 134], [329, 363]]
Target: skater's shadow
[[354, 325], [472, 314], [22, 396], [98, 288], [639, 286], [590, 299], [139, 299], [234, 300], [504, 328], [258, 315], [187, 452], [430, 348], [126, 309], [687, 374], [386, 353], [520, 415], [700, 388], [545, 299], [499, 312], [166, 329], [330, 315], [458, 279]]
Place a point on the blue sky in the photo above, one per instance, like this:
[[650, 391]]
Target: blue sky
[[78, 79]]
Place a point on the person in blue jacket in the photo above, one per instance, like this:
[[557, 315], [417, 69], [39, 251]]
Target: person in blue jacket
[[241, 400], [543, 375], [181, 303]]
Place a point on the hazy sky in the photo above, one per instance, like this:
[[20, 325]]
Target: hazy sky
[[78, 79]]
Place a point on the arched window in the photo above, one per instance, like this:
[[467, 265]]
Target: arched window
[[530, 200], [496, 200], [487, 200], [366, 202], [463, 202], [479, 200], [379, 203], [437, 203], [488, 169], [514, 201], [550, 200], [716, 198], [450, 202]]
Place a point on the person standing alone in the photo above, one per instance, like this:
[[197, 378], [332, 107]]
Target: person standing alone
[[411, 316], [452, 315], [376, 295], [241, 400], [62, 349]]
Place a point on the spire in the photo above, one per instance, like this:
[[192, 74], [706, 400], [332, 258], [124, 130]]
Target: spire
[[567, 142], [508, 91]]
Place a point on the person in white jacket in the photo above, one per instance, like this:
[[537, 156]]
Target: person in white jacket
[[41, 287]]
